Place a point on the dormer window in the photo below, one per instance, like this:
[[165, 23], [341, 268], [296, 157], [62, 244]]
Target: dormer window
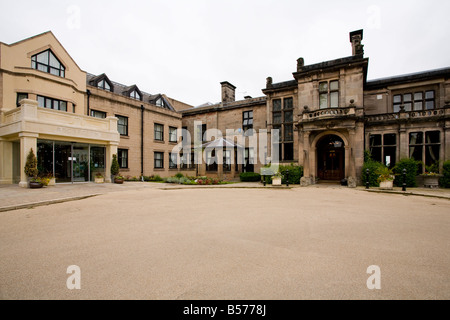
[[103, 84], [47, 62], [160, 102], [135, 95]]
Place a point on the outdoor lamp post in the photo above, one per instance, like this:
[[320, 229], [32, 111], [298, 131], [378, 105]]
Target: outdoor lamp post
[[287, 178]]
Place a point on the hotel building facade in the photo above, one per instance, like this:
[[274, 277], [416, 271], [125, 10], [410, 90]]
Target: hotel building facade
[[326, 115]]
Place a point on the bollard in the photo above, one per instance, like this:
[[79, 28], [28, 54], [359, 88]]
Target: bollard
[[287, 178], [264, 180], [404, 180], [367, 178]]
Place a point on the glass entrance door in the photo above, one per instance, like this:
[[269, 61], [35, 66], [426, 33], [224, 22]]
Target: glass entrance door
[[80, 162], [63, 163]]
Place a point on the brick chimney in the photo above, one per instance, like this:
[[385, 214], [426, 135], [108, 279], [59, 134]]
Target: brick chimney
[[228, 92], [356, 38]]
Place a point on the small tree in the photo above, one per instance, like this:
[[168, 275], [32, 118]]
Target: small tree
[[412, 168], [445, 179], [115, 166], [31, 165]]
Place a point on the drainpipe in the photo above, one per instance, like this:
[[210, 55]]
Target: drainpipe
[[88, 92], [142, 141]]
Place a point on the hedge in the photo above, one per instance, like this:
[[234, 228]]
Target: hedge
[[412, 168], [444, 182], [250, 177], [374, 167], [295, 173]]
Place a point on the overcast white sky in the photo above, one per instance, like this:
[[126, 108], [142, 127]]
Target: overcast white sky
[[185, 48]]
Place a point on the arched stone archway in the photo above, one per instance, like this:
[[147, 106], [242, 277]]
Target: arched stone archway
[[330, 158]]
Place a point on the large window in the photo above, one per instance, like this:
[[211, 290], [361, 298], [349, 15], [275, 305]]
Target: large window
[[187, 160], [383, 148], [247, 120], [122, 125], [51, 103], [283, 120], [159, 160], [329, 94], [123, 158], [172, 134], [47, 62], [211, 162], [226, 160], [425, 147], [98, 114], [159, 132], [414, 101], [201, 130]]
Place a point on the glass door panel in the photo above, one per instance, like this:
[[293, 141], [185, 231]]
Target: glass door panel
[[63, 164], [80, 159]]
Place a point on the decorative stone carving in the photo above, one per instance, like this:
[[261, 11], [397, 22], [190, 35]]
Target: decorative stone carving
[[269, 82], [300, 64]]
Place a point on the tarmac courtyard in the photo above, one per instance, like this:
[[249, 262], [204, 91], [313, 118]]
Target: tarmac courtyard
[[153, 241]]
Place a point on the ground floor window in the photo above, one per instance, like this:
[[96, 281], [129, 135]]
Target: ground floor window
[[172, 160], [123, 158], [69, 161], [226, 160], [187, 160], [425, 147], [383, 148], [158, 160], [211, 162]]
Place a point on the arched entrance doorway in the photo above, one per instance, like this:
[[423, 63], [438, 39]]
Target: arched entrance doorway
[[331, 158]]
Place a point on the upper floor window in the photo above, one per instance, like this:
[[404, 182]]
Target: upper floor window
[[98, 114], [329, 94], [103, 84], [172, 134], [247, 120], [160, 102], [159, 132], [51, 103], [21, 96], [47, 62], [135, 95], [122, 125], [414, 101]]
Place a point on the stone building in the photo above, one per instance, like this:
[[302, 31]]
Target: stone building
[[323, 118], [75, 121]]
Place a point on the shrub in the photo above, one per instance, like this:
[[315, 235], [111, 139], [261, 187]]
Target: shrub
[[295, 173], [374, 169], [115, 165], [156, 178], [444, 181], [31, 165], [412, 167], [179, 175], [250, 176]]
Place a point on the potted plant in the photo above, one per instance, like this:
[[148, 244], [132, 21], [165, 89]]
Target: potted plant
[[99, 178], [31, 170], [51, 179], [276, 179], [118, 179], [431, 176], [385, 177]]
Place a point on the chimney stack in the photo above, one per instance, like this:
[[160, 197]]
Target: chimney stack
[[356, 38], [228, 92]]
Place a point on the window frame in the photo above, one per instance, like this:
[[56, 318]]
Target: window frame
[[173, 164], [424, 146], [155, 160], [383, 147], [171, 129], [122, 125], [328, 94], [246, 117], [35, 63], [20, 99], [156, 132], [121, 158], [286, 107], [94, 112], [425, 101], [52, 102]]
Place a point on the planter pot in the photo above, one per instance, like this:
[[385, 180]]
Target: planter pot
[[52, 182], [387, 185], [35, 185], [118, 181], [276, 181], [431, 181], [99, 180]]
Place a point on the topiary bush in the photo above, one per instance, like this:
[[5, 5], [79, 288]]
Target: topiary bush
[[115, 165], [444, 181], [30, 168], [374, 169], [250, 177], [412, 168]]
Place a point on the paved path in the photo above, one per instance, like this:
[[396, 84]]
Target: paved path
[[13, 197], [138, 241]]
